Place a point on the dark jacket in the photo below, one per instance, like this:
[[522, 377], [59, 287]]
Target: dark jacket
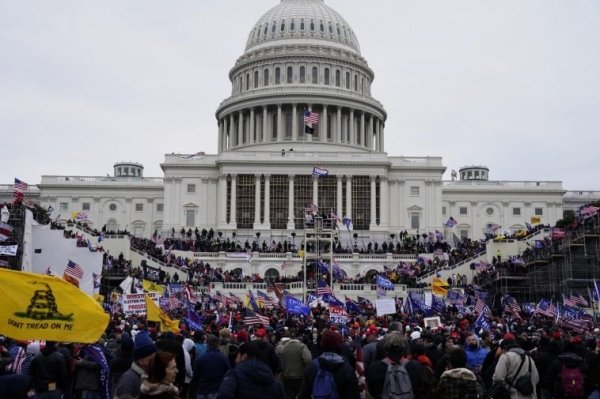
[[344, 375], [15, 386], [457, 384], [250, 379], [129, 383], [209, 370], [376, 376], [149, 390], [48, 367], [570, 360]]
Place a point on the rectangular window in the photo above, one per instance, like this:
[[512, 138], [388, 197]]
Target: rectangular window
[[85, 206], [63, 206], [462, 210], [190, 217], [160, 207], [539, 211], [516, 211], [443, 210], [414, 191], [138, 231], [414, 220], [139, 207], [191, 188]]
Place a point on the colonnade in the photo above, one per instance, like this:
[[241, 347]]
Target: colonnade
[[284, 122]]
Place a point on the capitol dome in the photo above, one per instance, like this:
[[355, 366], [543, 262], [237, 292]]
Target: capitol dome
[[301, 20], [301, 57]]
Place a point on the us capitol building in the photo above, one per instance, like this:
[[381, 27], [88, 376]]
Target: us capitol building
[[302, 56]]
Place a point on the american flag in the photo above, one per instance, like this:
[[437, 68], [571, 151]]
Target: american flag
[[272, 287], [266, 299], [569, 302], [74, 270], [323, 288], [253, 318], [579, 299], [311, 117], [511, 306], [480, 306], [546, 308], [20, 186]]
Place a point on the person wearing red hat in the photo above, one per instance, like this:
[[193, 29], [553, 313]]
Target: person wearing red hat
[[370, 349]]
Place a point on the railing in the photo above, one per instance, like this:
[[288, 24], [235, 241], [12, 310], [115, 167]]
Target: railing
[[452, 267]]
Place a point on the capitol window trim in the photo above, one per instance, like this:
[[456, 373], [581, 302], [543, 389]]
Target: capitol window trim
[[463, 210], [302, 26], [315, 75], [292, 26], [290, 75], [139, 207], [256, 79], [266, 77], [516, 211], [539, 211], [277, 75], [326, 77], [302, 74], [348, 80], [338, 78]]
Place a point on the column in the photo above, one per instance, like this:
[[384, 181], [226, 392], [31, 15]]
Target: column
[[264, 124], [294, 122], [220, 138], [323, 124], [369, 139], [338, 133], [279, 124], [339, 207], [348, 197], [383, 202], [291, 222], [378, 135], [352, 139], [267, 221], [373, 224], [232, 219], [381, 136], [251, 130], [231, 132], [222, 200], [362, 129], [315, 196], [240, 128], [226, 143], [256, 201]]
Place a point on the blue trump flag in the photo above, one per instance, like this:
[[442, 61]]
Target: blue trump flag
[[483, 322], [296, 306], [352, 306], [383, 282]]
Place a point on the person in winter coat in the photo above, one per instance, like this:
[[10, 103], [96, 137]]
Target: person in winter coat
[[209, 368], [475, 353], [508, 366], [159, 383], [49, 372], [396, 349], [344, 375], [569, 359], [128, 385], [295, 356], [457, 382], [251, 378], [122, 360]]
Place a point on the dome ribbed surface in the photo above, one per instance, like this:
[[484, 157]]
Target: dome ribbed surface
[[302, 19]]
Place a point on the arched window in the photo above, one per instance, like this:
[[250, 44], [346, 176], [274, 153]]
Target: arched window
[[266, 30], [348, 80], [321, 26], [338, 77], [273, 27], [292, 26], [302, 74], [302, 25], [330, 28], [326, 79], [289, 75], [355, 83], [272, 274], [315, 75], [255, 79], [282, 26], [266, 78], [312, 25], [247, 81], [277, 76]]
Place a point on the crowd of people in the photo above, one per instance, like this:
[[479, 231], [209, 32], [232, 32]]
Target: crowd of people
[[292, 356]]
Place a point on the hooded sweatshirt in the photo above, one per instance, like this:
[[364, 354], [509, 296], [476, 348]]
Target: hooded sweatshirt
[[252, 377], [344, 375]]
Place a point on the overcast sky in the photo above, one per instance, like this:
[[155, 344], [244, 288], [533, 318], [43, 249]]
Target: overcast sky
[[513, 84]]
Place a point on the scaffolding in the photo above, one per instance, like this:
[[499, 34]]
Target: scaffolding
[[318, 247], [16, 220], [562, 268]]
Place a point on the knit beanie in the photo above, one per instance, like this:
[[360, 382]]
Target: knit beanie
[[143, 346], [330, 341]]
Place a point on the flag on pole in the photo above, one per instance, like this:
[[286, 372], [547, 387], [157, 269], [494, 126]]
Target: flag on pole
[[451, 222], [154, 313], [253, 318], [439, 287]]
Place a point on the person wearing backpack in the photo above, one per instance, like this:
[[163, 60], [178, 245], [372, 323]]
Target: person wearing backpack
[[329, 376], [458, 382], [516, 370], [570, 375], [395, 376]]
